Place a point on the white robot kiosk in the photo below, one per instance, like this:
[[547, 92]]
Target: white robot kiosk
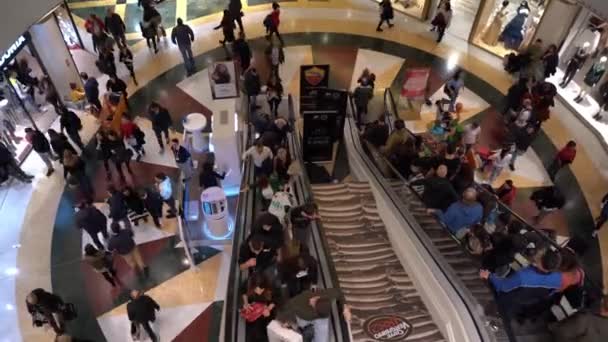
[[215, 209]]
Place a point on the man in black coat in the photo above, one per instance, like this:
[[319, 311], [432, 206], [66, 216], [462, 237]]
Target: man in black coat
[[253, 86], [45, 305], [70, 122], [41, 145], [235, 10], [93, 221], [141, 310], [154, 205], [161, 122], [10, 167], [116, 26], [118, 207]]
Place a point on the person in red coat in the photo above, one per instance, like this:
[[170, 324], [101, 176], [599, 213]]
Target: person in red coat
[[273, 21], [506, 192], [564, 157]]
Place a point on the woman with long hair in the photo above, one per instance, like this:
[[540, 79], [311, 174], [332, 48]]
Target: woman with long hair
[[258, 293], [281, 163]]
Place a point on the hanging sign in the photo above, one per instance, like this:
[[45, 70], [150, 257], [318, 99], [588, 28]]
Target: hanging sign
[[12, 50], [223, 80]]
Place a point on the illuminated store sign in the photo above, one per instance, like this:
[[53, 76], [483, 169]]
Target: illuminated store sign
[[12, 51]]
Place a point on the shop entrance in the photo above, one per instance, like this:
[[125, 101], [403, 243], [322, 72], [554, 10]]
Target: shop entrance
[[463, 17]]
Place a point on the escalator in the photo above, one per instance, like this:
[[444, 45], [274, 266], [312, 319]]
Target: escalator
[[370, 274], [249, 205]]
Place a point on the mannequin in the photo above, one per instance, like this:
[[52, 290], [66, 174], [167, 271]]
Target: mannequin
[[513, 34], [593, 76], [575, 63], [492, 32]]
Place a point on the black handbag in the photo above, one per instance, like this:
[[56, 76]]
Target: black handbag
[[69, 311]]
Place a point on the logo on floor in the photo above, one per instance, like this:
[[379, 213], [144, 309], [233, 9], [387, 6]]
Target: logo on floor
[[387, 327]]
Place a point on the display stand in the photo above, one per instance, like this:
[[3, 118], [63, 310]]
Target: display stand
[[194, 124]]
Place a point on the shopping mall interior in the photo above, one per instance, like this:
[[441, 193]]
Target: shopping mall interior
[[296, 171]]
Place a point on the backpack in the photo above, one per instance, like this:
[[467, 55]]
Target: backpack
[[268, 21], [139, 135], [75, 120]]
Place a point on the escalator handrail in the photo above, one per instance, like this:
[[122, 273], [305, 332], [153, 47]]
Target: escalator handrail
[[303, 187], [244, 216], [461, 290]]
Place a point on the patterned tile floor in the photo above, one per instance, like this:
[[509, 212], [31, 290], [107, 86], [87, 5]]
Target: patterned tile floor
[[346, 48]]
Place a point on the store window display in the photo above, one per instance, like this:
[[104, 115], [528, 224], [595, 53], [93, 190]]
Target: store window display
[[592, 78], [507, 26], [415, 8], [575, 63]]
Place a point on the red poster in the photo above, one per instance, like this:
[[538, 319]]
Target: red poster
[[415, 82]]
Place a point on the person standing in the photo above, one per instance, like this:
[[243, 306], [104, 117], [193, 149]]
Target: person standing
[[183, 159], [148, 31], [96, 28], [453, 88], [106, 63], [253, 86], [161, 122], [120, 154], [41, 145], [547, 200], [121, 242], [601, 220], [154, 205], [442, 20], [101, 263], [262, 158], [564, 157], [60, 143], [242, 51], [362, 95], [550, 61], [70, 122], [74, 166], [499, 160], [235, 8], [165, 189], [274, 94], [522, 137], [141, 310], [116, 26], [272, 22], [10, 165], [126, 57], [471, 135], [183, 36], [227, 26], [93, 221], [386, 14], [91, 91], [300, 218], [116, 85], [118, 207], [46, 307]]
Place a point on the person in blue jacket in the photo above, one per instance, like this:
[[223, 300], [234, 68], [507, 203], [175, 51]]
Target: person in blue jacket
[[462, 214], [529, 287]]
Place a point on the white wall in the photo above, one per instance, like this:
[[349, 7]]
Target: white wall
[[552, 30], [18, 15], [50, 46], [600, 7]]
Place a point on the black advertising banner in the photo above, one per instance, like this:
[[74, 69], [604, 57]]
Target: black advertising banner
[[319, 127], [313, 77], [327, 100]]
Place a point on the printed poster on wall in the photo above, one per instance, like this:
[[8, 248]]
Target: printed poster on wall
[[414, 86], [223, 80]]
